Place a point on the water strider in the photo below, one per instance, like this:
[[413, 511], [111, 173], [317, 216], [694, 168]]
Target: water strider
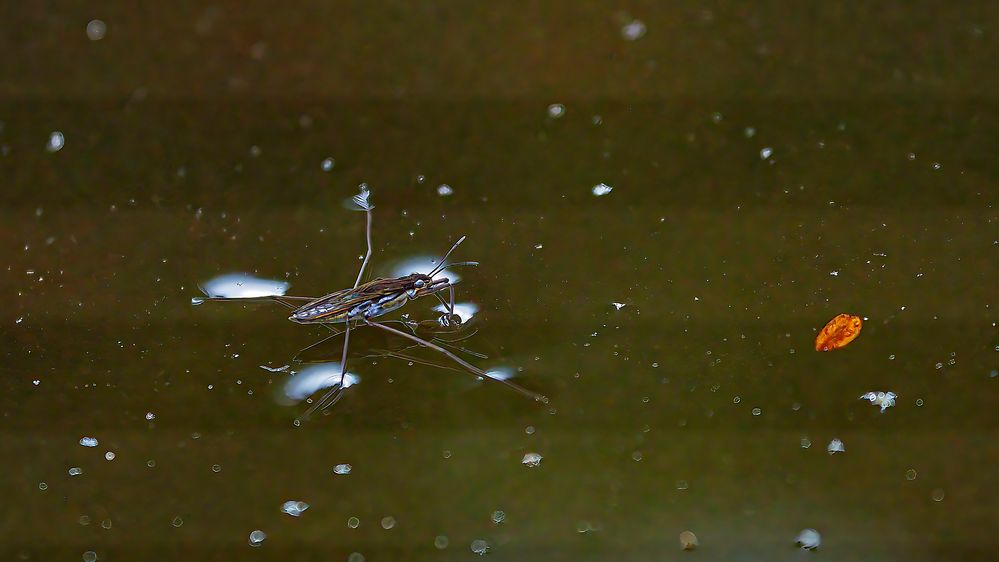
[[363, 303]]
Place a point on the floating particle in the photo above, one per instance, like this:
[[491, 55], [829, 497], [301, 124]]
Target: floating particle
[[808, 539], [106, 524], [633, 30], [353, 522], [342, 469], [96, 29], [109, 456], [294, 508], [602, 189], [766, 152], [498, 516], [440, 542], [257, 537], [910, 474], [480, 547], [388, 522], [884, 399], [43, 486], [216, 468], [806, 442], [88, 441], [328, 164], [177, 521], [835, 446], [75, 471], [445, 190], [90, 556], [56, 141], [556, 110], [938, 495], [355, 557], [150, 416], [682, 485], [840, 331], [619, 305], [531, 460], [688, 540]]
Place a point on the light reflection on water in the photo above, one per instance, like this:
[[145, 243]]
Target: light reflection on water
[[302, 384], [243, 286]]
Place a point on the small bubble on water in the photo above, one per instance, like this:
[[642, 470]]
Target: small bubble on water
[[736, 400], [257, 537], [90, 556], [601, 189], [109, 456], [556, 110], [757, 411], [177, 521], [633, 30], [388, 522], [531, 459], [446, 454], [84, 520], [328, 164], [836, 446], [498, 516], [43, 486], [805, 443], [529, 430], [919, 401], [75, 471], [938, 495], [294, 508], [440, 542], [151, 463], [910, 474], [444, 190], [88, 441], [56, 142], [636, 456], [342, 469], [480, 547], [96, 30], [749, 132], [216, 468], [808, 539], [766, 152], [353, 522], [682, 485], [355, 557], [150, 416], [106, 524]]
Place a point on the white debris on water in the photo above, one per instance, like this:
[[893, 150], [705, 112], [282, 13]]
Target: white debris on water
[[884, 399], [633, 30], [808, 539], [75, 471], [556, 110], [836, 446], [56, 141], [619, 305], [328, 164], [88, 441], [342, 469], [150, 416], [766, 152], [280, 369], [242, 286], [96, 29], [602, 189], [480, 547], [294, 508], [257, 537], [445, 190], [531, 459]]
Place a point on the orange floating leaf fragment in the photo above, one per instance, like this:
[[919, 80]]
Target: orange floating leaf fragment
[[840, 331]]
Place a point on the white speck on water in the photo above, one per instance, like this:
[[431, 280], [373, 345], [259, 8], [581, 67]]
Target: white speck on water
[[109, 456], [441, 542], [353, 522], [328, 164], [106, 524], [531, 459], [529, 430], [757, 411], [808, 539], [806, 442], [766, 152], [682, 485], [90, 556], [341, 469], [355, 557], [88, 441], [56, 142], [216, 468], [749, 132], [96, 29], [633, 30], [445, 190], [294, 508], [36, 382], [619, 305], [884, 399], [602, 189], [938, 495], [556, 110], [43, 486], [177, 521], [836, 446], [834, 274], [257, 537], [636, 456], [150, 416], [75, 471], [19, 320], [480, 547], [388, 522], [498, 516], [910, 474]]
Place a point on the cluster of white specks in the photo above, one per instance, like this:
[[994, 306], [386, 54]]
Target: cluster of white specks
[[884, 399], [633, 30], [601, 189], [327, 164], [294, 508], [88, 441], [445, 190], [56, 142], [342, 469], [808, 539], [96, 29], [836, 446], [257, 537], [531, 460], [480, 547], [556, 110]]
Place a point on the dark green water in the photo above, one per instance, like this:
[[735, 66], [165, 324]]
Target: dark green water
[[194, 139]]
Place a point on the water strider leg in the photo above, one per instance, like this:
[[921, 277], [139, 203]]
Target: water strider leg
[[367, 256], [475, 370]]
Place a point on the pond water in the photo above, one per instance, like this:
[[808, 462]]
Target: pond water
[[665, 216]]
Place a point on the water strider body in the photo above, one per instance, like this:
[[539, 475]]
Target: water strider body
[[361, 304]]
